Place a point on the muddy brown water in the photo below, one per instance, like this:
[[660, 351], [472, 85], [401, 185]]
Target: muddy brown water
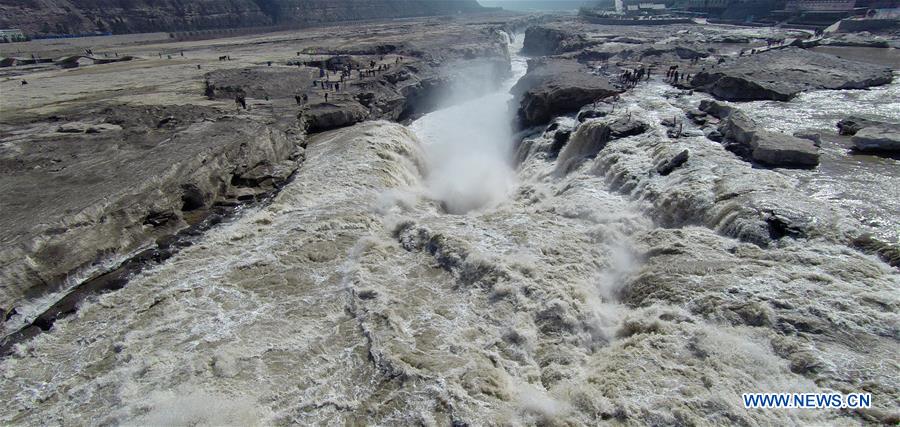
[[881, 56]]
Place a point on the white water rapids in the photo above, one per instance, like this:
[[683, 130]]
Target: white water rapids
[[468, 147], [418, 276]]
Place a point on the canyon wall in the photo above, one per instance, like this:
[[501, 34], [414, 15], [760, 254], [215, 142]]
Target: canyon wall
[[37, 17]]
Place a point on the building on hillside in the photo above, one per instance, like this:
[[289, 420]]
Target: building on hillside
[[808, 12], [12, 35], [823, 13], [639, 6], [820, 5], [734, 10]]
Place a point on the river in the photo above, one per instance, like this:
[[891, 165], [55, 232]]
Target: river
[[418, 275]]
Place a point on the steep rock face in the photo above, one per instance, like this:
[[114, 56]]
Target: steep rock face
[[592, 136], [145, 173], [326, 116], [403, 92], [549, 40], [136, 16], [557, 86], [782, 74], [93, 195]]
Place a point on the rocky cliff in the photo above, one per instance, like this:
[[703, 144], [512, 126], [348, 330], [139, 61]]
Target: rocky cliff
[[136, 16]]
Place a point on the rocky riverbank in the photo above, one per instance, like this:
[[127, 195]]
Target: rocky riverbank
[[105, 164], [699, 168]]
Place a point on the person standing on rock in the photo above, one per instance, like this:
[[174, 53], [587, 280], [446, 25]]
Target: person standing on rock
[[326, 96], [240, 100]]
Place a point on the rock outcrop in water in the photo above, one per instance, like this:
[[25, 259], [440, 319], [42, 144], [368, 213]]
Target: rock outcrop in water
[[780, 150], [871, 135], [781, 74], [878, 138], [744, 137], [853, 124], [555, 86]]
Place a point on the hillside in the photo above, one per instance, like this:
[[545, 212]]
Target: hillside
[[137, 16]]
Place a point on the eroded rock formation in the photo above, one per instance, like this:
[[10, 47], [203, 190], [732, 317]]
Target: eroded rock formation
[[783, 73], [95, 209], [556, 86]]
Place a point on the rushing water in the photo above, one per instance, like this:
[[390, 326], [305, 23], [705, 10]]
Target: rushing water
[[867, 185], [468, 146], [417, 276]]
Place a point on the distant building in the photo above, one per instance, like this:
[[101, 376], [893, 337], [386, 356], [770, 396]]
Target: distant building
[[820, 5], [739, 10], [637, 6], [12, 35], [822, 13]]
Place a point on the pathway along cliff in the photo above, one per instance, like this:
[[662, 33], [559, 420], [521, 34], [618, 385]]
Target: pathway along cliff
[[420, 275]]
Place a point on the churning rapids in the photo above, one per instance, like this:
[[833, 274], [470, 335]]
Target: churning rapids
[[442, 274]]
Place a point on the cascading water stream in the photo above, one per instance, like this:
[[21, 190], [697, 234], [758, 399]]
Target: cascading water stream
[[468, 146]]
